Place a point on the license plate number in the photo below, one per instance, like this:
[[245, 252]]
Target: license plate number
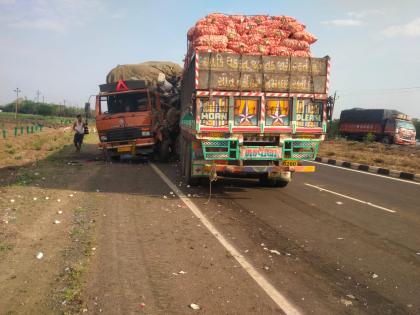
[[290, 163], [124, 149]]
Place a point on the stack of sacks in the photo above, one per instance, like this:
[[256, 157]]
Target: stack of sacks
[[258, 34]]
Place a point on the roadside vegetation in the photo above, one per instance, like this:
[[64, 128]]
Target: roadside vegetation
[[395, 157]]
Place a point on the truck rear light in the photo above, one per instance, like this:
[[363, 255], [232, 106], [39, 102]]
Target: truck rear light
[[103, 138], [146, 133]]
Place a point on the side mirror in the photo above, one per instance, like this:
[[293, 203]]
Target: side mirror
[[87, 109], [330, 107]]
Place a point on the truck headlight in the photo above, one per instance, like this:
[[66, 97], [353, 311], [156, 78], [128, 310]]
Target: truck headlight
[[146, 133], [103, 138]]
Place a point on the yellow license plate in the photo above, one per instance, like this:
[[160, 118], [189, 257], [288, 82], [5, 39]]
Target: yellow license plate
[[124, 149], [290, 163]]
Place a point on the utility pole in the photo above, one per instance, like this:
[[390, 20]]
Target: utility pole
[[38, 92], [43, 99], [64, 105], [17, 101]]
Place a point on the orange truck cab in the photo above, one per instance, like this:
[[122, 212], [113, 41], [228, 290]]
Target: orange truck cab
[[124, 119]]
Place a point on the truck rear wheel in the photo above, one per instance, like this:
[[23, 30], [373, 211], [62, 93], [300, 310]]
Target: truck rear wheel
[[272, 182], [193, 181]]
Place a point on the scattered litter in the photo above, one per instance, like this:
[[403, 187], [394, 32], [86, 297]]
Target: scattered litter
[[142, 305], [171, 192], [84, 310], [351, 296], [165, 197], [58, 200], [418, 254], [188, 186], [409, 305], [43, 178], [40, 255], [57, 222], [47, 198], [93, 248], [189, 195], [374, 276], [339, 203], [246, 250], [273, 251], [36, 174], [266, 268], [340, 238], [346, 302], [60, 212], [71, 195], [265, 248], [194, 306], [288, 254], [262, 244], [12, 200], [179, 206], [97, 190], [35, 198], [182, 272]]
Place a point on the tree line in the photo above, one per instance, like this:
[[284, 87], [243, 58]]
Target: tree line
[[43, 109]]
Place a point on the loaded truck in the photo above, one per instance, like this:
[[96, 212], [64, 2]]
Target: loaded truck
[[388, 126], [136, 111], [252, 115]]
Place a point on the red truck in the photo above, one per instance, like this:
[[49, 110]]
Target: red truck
[[388, 126]]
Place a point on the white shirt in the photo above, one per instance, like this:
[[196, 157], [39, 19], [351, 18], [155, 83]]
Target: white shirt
[[79, 127]]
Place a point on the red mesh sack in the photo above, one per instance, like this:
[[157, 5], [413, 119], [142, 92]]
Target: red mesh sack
[[295, 44], [202, 29], [214, 41], [305, 36], [301, 53], [280, 51], [295, 27]]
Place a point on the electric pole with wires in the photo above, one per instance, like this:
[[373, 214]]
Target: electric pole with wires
[[17, 101]]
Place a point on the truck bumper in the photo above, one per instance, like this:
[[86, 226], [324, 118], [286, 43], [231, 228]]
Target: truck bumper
[[143, 146], [205, 169]]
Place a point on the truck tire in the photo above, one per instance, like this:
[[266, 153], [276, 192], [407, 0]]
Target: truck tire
[[193, 181], [164, 150], [265, 181]]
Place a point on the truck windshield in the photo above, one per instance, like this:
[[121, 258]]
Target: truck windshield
[[124, 103], [405, 124]]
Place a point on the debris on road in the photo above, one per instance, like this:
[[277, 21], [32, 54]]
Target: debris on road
[[59, 212], [418, 254], [346, 302], [57, 222], [182, 272], [47, 198], [40, 255], [374, 276], [12, 200], [97, 190], [165, 197], [351, 296], [266, 268], [71, 195], [339, 203], [273, 251], [35, 198], [340, 238], [194, 306], [142, 305], [58, 200]]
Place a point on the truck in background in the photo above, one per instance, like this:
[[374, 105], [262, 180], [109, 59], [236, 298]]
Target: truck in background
[[388, 126], [124, 118], [253, 115]]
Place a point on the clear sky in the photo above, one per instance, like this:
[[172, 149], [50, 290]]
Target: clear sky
[[65, 48]]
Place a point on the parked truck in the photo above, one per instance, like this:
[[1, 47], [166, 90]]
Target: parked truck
[[137, 110], [388, 126], [253, 115]]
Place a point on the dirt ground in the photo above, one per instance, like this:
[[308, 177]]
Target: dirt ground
[[395, 157], [124, 244]]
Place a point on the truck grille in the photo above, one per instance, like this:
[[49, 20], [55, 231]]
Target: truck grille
[[123, 134]]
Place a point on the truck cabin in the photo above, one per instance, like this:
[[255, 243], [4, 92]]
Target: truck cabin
[[124, 102]]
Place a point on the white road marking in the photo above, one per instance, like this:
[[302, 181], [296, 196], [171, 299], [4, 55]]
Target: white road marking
[[367, 173], [275, 295], [351, 198]]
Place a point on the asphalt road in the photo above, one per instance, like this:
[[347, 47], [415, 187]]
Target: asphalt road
[[342, 242]]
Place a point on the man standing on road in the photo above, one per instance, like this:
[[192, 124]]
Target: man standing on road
[[79, 129]]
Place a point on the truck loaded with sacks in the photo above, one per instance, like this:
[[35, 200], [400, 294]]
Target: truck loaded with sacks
[[254, 102], [137, 110]]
